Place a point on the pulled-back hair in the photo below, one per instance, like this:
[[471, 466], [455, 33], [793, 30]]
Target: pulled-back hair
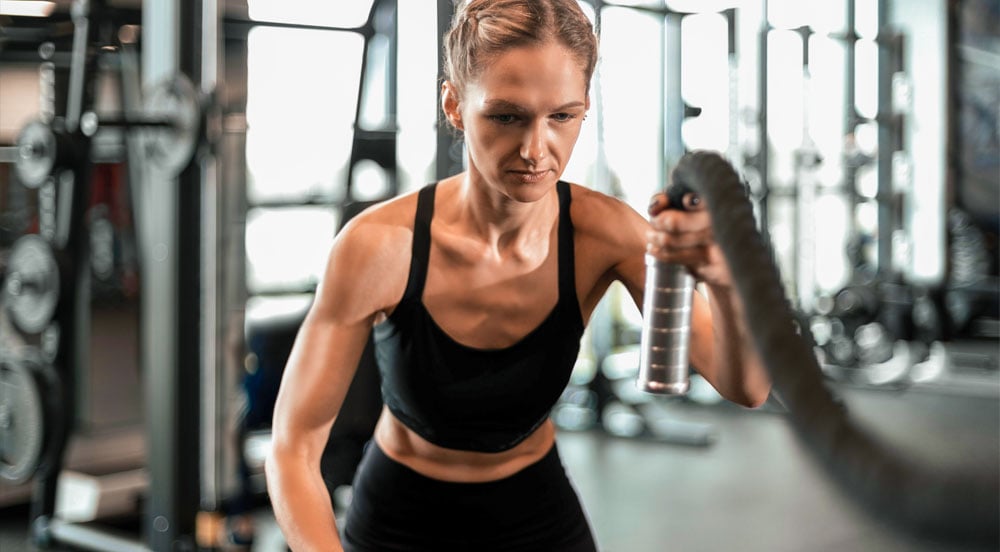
[[484, 29]]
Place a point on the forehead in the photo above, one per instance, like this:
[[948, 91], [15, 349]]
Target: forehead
[[532, 76]]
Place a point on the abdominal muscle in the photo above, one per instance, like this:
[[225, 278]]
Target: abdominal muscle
[[460, 466]]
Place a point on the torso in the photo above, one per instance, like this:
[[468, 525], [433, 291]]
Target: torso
[[470, 288]]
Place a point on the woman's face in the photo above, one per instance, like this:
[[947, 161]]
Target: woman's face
[[521, 118]]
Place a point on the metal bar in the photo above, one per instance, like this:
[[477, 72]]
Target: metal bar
[[851, 122], [663, 10], [88, 538], [850, 60], [602, 172], [158, 210], [232, 265], [239, 27], [133, 123], [886, 146], [78, 66], [392, 85], [763, 140], [447, 162], [673, 102], [365, 50], [214, 460], [189, 227], [803, 269], [733, 66]]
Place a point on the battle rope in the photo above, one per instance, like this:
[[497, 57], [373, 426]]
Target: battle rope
[[929, 501]]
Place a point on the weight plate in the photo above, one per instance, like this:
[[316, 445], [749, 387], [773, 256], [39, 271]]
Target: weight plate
[[37, 151], [174, 100], [22, 422], [31, 287]]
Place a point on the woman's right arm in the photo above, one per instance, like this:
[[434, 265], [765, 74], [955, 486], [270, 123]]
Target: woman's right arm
[[355, 289]]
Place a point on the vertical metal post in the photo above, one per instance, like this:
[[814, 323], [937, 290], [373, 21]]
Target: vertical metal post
[[378, 144], [763, 151], [602, 172], [851, 118], [886, 145], [192, 303], [733, 65], [448, 160], [390, 9], [807, 159], [672, 100], [159, 355], [69, 241], [218, 460], [851, 122]]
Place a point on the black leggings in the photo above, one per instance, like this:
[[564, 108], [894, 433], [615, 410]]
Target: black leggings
[[396, 508]]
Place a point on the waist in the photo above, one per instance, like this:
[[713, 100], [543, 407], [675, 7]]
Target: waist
[[403, 445]]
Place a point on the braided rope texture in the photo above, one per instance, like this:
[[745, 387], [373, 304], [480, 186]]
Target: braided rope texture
[[928, 501]]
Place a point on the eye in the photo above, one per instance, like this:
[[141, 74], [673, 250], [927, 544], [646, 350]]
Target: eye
[[563, 117], [503, 119]]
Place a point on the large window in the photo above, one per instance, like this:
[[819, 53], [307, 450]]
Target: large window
[[302, 98]]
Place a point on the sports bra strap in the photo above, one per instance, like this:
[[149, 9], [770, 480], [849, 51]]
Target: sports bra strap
[[421, 249], [567, 262]]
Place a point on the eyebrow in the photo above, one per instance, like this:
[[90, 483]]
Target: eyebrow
[[504, 104]]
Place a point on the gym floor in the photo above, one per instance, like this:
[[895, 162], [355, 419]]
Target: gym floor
[[754, 488]]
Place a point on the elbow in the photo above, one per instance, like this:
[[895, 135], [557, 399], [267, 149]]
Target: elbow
[[748, 396], [752, 398], [755, 401], [272, 470], [275, 465]]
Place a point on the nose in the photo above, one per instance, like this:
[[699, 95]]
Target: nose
[[533, 145]]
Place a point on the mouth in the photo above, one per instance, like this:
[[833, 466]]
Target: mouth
[[530, 177]]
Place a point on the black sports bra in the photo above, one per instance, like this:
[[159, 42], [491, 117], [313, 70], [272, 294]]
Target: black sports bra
[[461, 397]]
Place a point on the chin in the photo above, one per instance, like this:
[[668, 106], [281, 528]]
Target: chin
[[540, 182], [529, 192]]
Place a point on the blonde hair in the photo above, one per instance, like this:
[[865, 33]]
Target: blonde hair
[[481, 30]]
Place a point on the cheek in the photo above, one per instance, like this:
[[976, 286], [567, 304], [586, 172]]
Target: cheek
[[566, 139]]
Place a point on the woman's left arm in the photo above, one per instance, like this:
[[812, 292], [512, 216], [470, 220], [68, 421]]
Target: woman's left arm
[[721, 347]]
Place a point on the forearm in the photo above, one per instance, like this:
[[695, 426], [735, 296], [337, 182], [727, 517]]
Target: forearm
[[301, 504], [740, 374]]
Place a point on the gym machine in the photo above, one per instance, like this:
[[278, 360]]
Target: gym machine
[[174, 185], [887, 324]]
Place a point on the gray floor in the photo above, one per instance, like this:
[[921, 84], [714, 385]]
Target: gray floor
[[756, 489], [753, 489]]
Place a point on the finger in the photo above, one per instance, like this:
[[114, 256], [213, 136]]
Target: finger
[[671, 220], [658, 203], [681, 240]]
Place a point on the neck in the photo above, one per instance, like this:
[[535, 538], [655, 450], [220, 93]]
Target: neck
[[503, 223]]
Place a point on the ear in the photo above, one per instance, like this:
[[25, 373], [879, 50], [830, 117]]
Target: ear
[[451, 105]]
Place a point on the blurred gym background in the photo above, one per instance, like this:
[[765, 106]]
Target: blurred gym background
[[173, 172]]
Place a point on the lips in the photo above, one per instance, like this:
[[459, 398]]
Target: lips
[[530, 177]]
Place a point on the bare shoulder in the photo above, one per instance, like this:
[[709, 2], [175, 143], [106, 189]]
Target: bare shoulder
[[368, 265], [609, 241], [606, 219]]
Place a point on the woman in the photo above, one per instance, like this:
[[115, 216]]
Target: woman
[[478, 289]]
